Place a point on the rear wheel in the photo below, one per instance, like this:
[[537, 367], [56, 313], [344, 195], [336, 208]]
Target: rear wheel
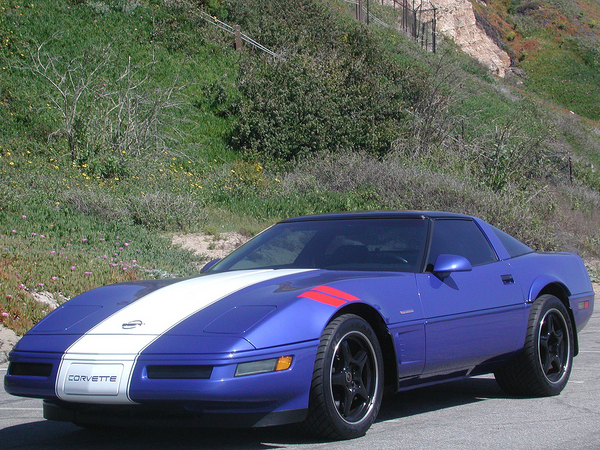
[[543, 367], [347, 384]]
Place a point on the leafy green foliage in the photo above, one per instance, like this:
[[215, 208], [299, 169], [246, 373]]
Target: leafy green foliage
[[294, 108], [336, 89]]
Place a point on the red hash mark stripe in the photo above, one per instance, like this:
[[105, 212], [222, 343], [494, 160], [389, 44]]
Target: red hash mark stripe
[[329, 296], [336, 293]]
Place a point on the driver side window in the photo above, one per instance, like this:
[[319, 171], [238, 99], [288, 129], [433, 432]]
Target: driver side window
[[460, 237]]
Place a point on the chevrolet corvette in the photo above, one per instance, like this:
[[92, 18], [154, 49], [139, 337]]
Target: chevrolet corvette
[[311, 321]]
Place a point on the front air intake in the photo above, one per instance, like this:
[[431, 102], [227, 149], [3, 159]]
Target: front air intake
[[22, 369], [179, 372]]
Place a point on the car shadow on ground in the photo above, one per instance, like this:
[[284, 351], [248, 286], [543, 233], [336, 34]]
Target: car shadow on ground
[[439, 396], [45, 435]]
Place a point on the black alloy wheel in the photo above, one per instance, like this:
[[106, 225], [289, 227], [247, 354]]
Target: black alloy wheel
[[347, 385], [554, 346], [542, 368]]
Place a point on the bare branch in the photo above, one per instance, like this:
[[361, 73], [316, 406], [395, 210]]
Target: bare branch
[[125, 114]]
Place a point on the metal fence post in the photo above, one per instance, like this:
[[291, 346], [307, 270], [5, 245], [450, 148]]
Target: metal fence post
[[570, 170]]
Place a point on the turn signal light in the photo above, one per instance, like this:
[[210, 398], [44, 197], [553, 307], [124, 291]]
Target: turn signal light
[[264, 366], [283, 363]]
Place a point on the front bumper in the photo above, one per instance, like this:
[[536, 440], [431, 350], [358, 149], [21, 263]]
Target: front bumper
[[262, 399]]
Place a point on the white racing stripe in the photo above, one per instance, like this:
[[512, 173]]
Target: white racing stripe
[[97, 368]]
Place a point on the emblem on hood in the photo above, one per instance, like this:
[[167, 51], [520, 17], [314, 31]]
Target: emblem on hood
[[132, 324]]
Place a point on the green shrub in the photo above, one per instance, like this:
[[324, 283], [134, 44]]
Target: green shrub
[[294, 108]]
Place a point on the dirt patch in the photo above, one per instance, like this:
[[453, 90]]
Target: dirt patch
[[210, 247]]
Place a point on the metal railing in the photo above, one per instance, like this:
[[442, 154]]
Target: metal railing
[[239, 36], [416, 21], [420, 23]]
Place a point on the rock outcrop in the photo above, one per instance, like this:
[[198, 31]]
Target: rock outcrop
[[456, 20]]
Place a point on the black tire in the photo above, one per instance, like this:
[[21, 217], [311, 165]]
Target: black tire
[[542, 368], [347, 383]]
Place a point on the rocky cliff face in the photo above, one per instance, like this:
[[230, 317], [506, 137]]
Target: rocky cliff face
[[456, 20]]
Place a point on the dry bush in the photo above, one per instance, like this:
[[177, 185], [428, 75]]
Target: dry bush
[[399, 185], [166, 211], [98, 204], [161, 210], [106, 103], [432, 126], [577, 219]]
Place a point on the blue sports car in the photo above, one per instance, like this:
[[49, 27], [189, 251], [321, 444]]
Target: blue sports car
[[310, 322]]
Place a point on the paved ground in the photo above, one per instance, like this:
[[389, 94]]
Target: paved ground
[[470, 414]]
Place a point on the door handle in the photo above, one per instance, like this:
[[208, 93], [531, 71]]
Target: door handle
[[507, 279]]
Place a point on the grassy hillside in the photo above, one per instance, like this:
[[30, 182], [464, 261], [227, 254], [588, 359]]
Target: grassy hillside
[[126, 121], [557, 45]]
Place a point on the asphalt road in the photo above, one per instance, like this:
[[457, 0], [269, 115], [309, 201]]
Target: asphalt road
[[469, 414]]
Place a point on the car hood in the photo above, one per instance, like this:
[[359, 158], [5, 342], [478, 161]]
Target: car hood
[[229, 311]]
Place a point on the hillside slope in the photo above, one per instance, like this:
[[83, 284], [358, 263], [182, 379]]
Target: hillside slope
[[554, 46], [127, 122]]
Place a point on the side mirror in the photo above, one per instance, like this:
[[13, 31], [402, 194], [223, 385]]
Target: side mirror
[[447, 264], [209, 264]]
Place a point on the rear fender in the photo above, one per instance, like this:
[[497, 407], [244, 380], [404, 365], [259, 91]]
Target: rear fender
[[546, 284]]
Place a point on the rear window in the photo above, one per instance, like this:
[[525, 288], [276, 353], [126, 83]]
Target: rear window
[[513, 246]]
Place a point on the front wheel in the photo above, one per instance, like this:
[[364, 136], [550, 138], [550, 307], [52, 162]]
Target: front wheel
[[543, 366], [347, 384]]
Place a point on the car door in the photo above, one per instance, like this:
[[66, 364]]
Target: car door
[[472, 317]]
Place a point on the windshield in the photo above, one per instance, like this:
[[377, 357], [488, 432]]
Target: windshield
[[347, 244]]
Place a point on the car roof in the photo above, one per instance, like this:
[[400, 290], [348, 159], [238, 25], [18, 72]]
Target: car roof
[[379, 215]]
